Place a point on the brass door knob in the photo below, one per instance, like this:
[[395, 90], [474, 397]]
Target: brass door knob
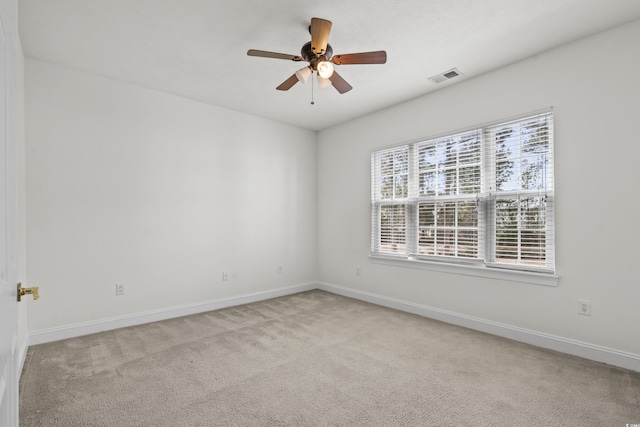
[[28, 291]]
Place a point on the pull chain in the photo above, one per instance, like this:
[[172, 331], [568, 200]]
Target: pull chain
[[312, 103]]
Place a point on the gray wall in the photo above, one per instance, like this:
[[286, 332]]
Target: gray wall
[[128, 185], [593, 88]]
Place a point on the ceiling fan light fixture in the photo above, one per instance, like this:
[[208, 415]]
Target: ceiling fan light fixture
[[322, 82], [325, 69], [303, 74]]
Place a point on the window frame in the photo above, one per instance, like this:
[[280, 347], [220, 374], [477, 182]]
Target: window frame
[[484, 265]]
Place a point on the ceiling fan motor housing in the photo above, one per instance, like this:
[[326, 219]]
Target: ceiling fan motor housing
[[307, 53]]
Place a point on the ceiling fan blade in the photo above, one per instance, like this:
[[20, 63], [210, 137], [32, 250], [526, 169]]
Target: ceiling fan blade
[[265, 54], [377, 57], [320, 29], [339, 83], [288, 84]]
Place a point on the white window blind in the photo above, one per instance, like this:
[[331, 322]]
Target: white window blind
[[449, 180], [483, 196], [390, 195], [520, 192]]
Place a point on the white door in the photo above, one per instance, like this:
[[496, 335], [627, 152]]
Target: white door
[[8, 228]]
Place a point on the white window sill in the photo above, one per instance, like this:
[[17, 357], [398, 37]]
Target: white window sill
[[544, 279]]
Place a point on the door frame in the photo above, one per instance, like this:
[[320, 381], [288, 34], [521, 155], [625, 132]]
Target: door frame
[[11, 342]]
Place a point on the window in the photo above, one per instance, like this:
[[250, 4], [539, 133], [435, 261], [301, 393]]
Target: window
[[483, 197]]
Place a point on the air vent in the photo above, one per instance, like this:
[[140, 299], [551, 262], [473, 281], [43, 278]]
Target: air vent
[[442, 77]]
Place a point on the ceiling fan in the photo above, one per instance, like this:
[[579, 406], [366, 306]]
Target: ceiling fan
[[319, 54]]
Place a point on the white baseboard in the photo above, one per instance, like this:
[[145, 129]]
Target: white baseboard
[[22, 354], [564, 345], [86, 328], [581, 349]]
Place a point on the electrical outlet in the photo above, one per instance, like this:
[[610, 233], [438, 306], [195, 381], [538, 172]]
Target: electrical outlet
[[120, 289], [280, 269], [225, 276], [584, 307], [358, 271]]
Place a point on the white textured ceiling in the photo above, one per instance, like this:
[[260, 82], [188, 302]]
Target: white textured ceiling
[[197, 48]]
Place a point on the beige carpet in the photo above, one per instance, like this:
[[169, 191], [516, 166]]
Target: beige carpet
[[316, 359]]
